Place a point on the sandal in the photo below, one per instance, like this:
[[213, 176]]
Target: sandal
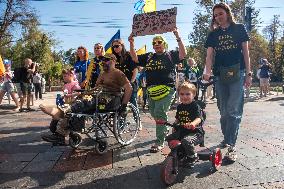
[[30, 109], [156, 148]]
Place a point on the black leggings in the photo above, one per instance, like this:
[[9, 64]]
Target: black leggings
[[187, 142]]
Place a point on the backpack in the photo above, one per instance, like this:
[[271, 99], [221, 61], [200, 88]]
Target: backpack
[[17, 75]]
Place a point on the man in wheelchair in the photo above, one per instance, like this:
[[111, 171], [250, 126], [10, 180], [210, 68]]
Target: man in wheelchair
[[189, 119], [111, 81]]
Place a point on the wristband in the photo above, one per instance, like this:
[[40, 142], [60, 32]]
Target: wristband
[[178, 39]]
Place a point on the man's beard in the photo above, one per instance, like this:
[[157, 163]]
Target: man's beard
[[106, 67]]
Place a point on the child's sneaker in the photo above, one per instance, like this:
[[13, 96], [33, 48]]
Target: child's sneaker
[[231, 154]]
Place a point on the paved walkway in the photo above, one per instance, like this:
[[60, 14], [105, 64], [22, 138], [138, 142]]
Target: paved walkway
[[28, 162]]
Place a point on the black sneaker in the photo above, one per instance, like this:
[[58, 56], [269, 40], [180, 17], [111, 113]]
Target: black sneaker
[[54, 138]]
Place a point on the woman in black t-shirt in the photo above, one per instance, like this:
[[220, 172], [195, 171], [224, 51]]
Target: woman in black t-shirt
[[125, 64], [228, 41], [160, 77]]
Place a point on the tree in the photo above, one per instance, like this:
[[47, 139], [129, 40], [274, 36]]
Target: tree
[[14, 14], [272, 32], [258, 49], [201, 23]]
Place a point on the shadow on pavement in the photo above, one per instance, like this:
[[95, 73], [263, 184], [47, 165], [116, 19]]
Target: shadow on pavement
[[276, 99], [138, 178]]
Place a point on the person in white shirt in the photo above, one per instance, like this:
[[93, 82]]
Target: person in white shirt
[[37, 84]]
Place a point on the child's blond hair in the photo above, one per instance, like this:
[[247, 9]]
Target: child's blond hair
[[188, 86]]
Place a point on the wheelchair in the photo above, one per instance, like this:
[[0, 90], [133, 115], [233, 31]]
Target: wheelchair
[[104, 121]]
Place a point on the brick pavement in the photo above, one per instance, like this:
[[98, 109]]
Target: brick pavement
[[28, 162]]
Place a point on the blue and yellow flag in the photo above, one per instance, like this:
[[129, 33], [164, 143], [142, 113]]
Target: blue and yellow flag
[[144, 6], [108, 45], [142, 50]]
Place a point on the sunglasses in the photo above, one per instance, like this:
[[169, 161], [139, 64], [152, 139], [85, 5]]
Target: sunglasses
[[116, 46], [106, 59], [97, 48], [157, 43], [184, 94]]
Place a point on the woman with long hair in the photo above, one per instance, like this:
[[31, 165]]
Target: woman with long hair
[[95, 67], [81, 64], [128, 67], [228, 42]]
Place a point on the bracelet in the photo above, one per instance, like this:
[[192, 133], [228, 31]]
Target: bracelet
[[178, 39]]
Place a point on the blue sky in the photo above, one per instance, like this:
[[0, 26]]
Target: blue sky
[[86, 22]]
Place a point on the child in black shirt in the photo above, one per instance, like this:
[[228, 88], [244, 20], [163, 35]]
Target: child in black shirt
[[189, 117]]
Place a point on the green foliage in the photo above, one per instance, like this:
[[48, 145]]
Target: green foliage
[[14, 16], [258, 49], [275, 57]]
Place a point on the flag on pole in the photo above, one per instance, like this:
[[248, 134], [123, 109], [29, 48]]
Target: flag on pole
[[108, 45], [142, 50], [150, 6]]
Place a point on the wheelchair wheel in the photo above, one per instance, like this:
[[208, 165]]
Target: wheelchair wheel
[[167, 172], [126, 125], [101, 146], [216, 159], [74, 140]]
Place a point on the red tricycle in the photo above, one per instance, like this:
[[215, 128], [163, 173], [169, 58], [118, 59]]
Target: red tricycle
[[177, 157]]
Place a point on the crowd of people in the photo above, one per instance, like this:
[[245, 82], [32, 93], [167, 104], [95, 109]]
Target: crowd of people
[[20, 83], [156, 77]]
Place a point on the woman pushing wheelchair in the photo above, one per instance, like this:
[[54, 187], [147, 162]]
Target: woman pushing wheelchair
[[111, 80]]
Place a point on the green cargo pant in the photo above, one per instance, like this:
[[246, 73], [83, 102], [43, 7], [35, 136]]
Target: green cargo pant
[[158, 110]]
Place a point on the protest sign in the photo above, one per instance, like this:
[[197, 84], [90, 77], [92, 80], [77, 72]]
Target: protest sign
[[154, 22]]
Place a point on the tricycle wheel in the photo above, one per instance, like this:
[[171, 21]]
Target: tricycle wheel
[[216, 159], [168, 175]]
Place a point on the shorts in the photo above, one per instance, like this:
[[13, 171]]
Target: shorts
[[24, 89], [264, 82], [8, 87]]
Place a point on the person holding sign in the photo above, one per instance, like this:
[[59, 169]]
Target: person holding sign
[[160, 76]]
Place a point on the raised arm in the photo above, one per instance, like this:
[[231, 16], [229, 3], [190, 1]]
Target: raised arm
[[132, 49], [182, 51]]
